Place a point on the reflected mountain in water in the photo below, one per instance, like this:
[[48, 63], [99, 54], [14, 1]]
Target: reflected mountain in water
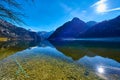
[[11, 47], [79, 49], [65, 61], [45, 44]]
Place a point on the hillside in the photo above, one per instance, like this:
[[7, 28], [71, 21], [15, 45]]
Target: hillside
[[107, 28], [77, 29], [12, 32], [70, 29]]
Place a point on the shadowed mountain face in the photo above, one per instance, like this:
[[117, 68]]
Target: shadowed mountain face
[[79, 29], [10, 31], [70, 29], [91, 23], [79, 49], [110, 28]]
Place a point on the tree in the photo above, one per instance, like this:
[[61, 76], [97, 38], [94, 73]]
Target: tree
[[11, 10]]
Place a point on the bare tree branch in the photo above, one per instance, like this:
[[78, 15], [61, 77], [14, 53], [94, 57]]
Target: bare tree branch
[[10, 13]]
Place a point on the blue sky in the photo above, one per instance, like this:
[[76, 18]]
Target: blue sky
[[47, 15]]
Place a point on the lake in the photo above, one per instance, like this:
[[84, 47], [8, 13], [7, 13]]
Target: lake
[[62, 60]]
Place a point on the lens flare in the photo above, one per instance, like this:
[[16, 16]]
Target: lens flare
[[100, 70]]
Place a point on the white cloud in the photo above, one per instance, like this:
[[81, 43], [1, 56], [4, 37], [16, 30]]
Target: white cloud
[[99, 2], [65, 7], [75, 12], [114, 9], [72, 12]]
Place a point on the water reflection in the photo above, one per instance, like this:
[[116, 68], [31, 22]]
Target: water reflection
[[61, 61], [79, 49], [11, 47], [102, 58]]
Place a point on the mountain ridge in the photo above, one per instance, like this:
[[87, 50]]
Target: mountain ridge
[[12, 32], [69, 27], [106, 28]]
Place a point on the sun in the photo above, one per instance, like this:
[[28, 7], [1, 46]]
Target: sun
[[101, 8]]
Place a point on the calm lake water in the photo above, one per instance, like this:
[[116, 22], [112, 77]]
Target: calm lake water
[[63, 60]]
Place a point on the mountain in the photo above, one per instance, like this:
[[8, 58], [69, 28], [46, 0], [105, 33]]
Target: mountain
[[44, 34], [91, 23], [70, 29], [108, 28], [12, 32]]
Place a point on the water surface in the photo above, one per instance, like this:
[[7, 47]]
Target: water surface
[[64, 60]]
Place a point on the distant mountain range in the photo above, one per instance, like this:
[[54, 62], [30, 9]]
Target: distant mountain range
[[44, 34], [12, 32], [74, 29], [77, 28]]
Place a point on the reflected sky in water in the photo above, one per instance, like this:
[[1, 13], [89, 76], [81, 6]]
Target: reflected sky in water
[[98, 61]]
